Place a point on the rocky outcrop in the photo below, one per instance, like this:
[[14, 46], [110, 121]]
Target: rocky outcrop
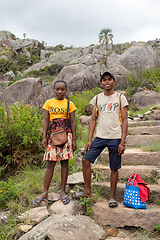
[[139, 57], [81, 74], [145, 99], [26, 90]]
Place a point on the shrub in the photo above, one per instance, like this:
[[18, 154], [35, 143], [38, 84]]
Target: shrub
[[20, 136], [8, 192]]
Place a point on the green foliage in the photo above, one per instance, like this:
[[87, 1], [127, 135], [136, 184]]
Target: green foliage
[[8, 192], [10, 230], [11, 82], [148, 79], [52, 70], [20, 135], [105, 35], [86, 202], [6, 65]]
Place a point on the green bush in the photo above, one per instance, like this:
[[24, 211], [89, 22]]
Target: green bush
[[20, 136], [8, 192], [148, 79]]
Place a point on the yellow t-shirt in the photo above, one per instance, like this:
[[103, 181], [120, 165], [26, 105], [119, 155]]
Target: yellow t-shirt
[[58, 108]]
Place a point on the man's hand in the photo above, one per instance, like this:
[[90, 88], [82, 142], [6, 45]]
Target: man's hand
[[87, 147], [121, 149]]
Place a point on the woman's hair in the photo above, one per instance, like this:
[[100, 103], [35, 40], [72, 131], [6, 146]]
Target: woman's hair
[[61, 81]]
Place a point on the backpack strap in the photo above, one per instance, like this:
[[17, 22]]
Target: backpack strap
[[67, 112], [120, 111], [97, 111]]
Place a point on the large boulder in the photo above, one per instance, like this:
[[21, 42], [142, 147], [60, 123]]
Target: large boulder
[[81, 74], [65, 56], [26, 90], [139, 57], [8, 76], [145, 99], [37, 66]]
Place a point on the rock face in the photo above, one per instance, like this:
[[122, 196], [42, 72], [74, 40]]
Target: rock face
[[145, 98], [81, 74], [70, 227], [137, 58], [24, 90], [123, 216]]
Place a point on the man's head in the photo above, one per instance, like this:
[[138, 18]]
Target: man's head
[[105, 74], [107, 81]]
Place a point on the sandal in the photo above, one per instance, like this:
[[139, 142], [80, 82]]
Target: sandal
[[113, 203], [65, 200], [79, 195]]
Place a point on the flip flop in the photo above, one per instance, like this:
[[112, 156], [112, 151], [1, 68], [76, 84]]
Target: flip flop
[[37, 201], [65, 200], [79, 195], [113, 203]]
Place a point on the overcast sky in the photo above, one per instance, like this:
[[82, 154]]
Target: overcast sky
[[79, 22]]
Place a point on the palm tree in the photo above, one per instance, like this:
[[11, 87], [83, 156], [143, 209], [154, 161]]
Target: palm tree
[[104, 37]]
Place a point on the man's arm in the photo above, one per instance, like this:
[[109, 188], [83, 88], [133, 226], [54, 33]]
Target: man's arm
[[45, 128], [92, 126], [121, 147]]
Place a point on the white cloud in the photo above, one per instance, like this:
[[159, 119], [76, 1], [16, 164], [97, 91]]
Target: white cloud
[[79, 22]]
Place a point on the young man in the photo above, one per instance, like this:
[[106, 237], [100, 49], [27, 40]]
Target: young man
[[109, 134]]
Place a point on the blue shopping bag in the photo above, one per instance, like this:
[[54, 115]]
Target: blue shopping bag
[[132, 197]]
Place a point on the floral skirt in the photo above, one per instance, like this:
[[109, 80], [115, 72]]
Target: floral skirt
[[53, 153]]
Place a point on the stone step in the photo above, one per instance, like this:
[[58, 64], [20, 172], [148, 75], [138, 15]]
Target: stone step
[[154, 188], [143, 123], [123, 216], [145, 171], [141, 140], [134, 156], [144, 130]]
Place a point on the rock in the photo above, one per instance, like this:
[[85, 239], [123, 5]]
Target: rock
[[123, 216], [75, 178], [120, 72], [65, 227], [8, 76], [44, 53], [112, 232], [26, 90], [81, 74], [138, 58], [5, 35], [25, 228], [4, 217], [37, 66], [78, 227], [65, 56], [36, 215], [54, 196], [145, 98], [85, 119], [60, 208]]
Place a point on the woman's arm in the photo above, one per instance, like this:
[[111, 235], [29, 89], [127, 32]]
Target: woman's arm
[[73, 128], [45, 128]]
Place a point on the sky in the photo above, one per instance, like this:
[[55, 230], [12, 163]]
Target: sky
[[78, 23]]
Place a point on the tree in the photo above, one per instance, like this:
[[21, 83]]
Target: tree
[[24, 35], [104, 37]]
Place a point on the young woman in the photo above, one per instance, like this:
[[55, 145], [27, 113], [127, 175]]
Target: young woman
[[55, 115]]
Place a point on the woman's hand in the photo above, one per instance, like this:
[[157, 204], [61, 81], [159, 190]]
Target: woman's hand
[[44, 143], [74, 145]]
